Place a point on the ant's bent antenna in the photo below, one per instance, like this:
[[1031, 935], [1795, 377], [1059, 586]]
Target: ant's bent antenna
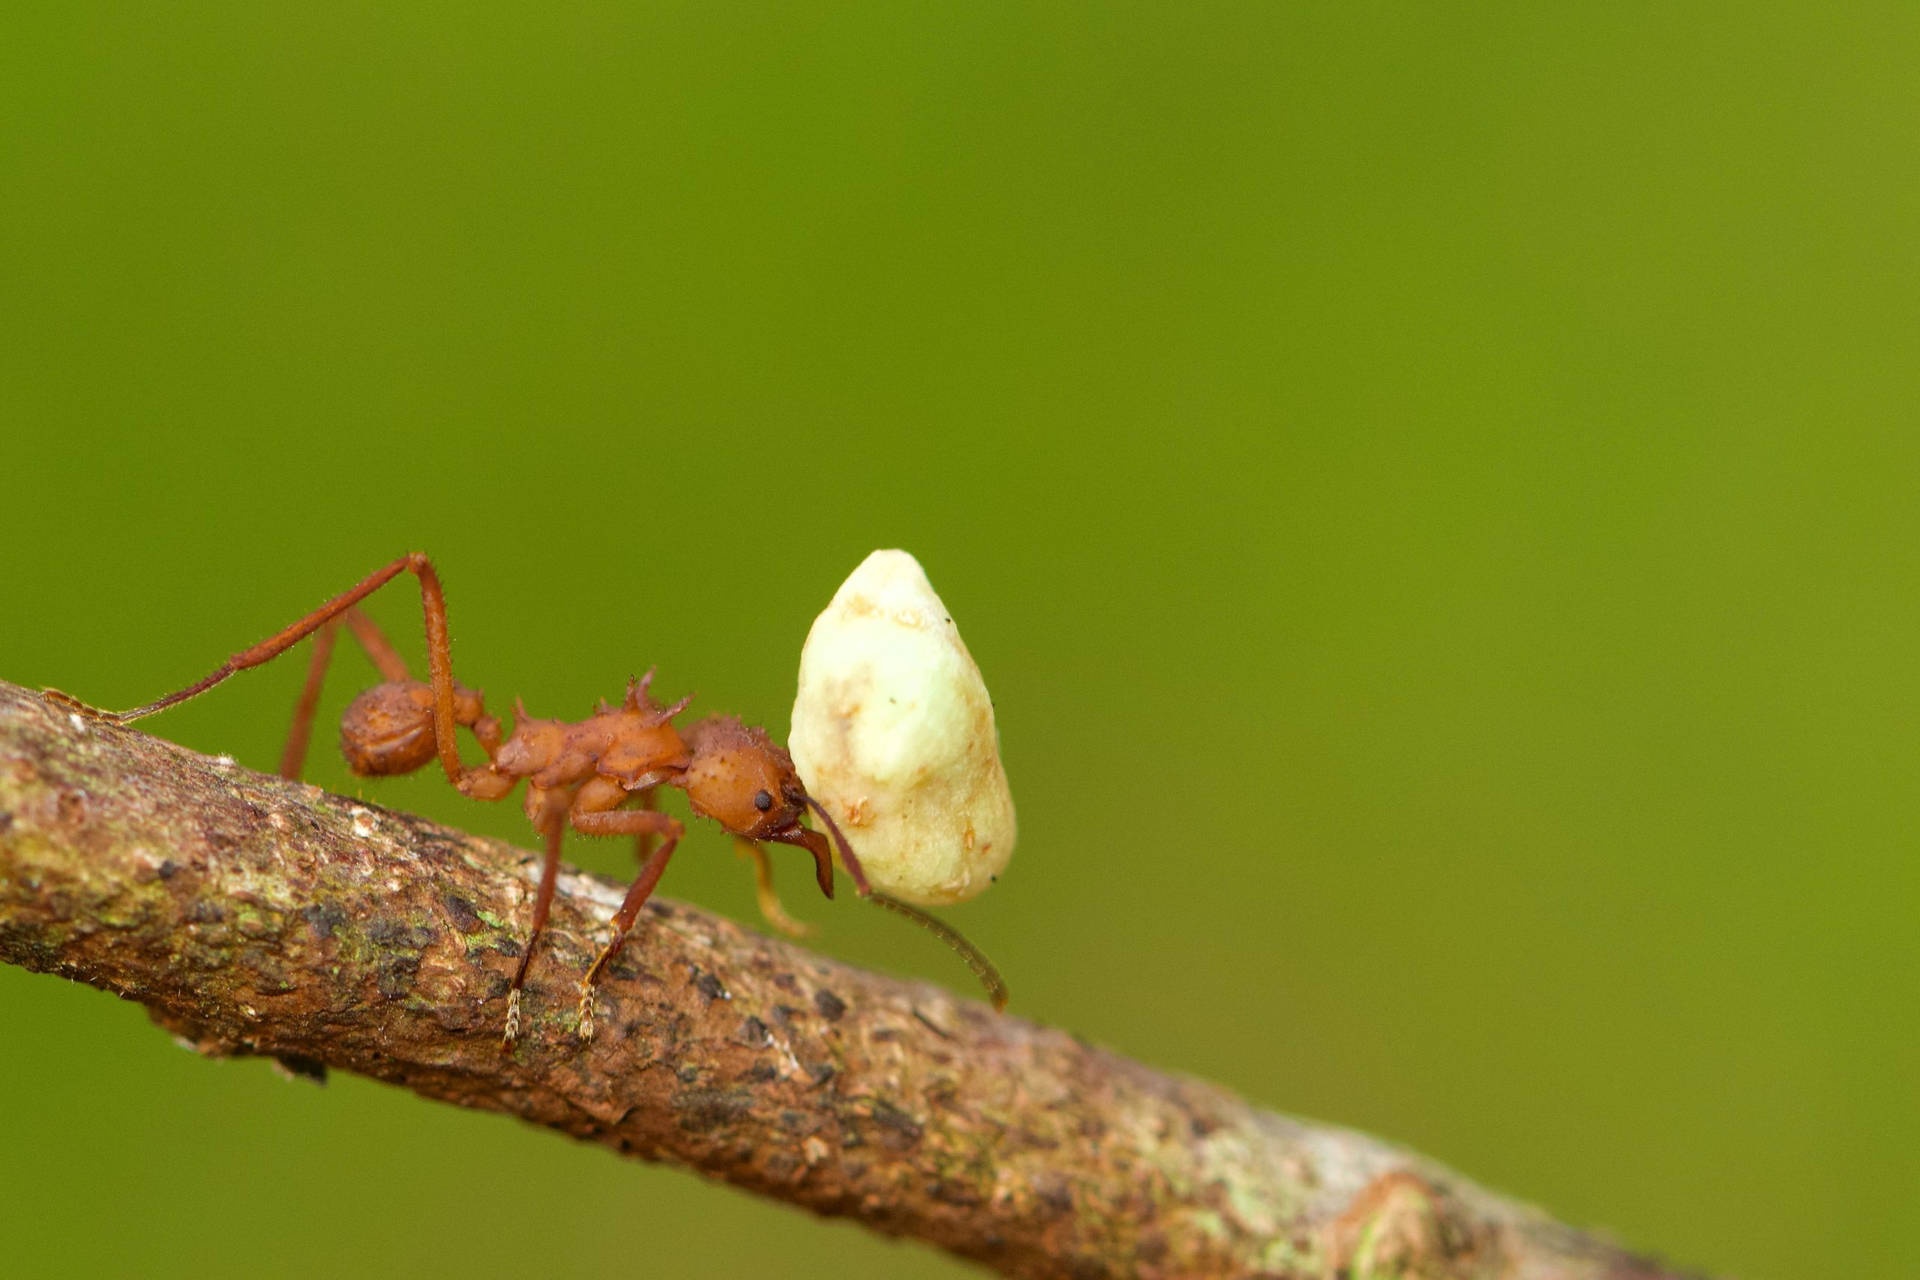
[[974, 958]]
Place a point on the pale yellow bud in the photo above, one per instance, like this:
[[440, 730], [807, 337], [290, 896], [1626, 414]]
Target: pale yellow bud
[[893, 733]]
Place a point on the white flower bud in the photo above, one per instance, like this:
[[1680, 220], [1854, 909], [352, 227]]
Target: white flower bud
[[893, 733]]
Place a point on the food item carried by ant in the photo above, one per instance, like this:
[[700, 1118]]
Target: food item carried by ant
[[893, 733]]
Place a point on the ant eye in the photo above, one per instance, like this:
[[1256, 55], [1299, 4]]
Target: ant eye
[[762, 801]]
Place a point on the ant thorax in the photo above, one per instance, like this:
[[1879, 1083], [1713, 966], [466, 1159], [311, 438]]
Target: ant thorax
[[634, 744], [741, 778]]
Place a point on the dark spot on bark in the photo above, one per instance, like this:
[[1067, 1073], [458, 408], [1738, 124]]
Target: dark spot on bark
[[6, 822], [465, 919], [886, 1035], [708, 985], [821, 1072], [1151, 1247], [949, 1192], [754, 1034], [786, 982], [849, 1139], [830, 1005], [796, 1122], [1202, 1125], [760, 1073], [1085, 1268], [688, 1074], [25, 947], [204, 912], [303, 1068], [386, 932], [783, 1015], [660, 910], [167, 869], [704, 1110], [396, 976], [71, 806], [781, 1165], [324, 918], [900, 1130], [1055, 1197], [931, 1025], [627, 966]]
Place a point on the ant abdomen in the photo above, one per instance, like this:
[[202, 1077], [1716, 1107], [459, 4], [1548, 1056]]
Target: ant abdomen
[[388, 730]]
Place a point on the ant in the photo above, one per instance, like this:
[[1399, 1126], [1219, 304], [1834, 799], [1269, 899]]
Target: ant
[[597, 775]]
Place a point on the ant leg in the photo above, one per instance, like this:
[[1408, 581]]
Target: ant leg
[[624, 822], [553, 825], [380, 651], [439, 652], [300, 732], [643, 840], [384, 656], [776, 915]]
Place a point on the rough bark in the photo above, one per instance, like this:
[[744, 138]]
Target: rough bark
[[256, 916]]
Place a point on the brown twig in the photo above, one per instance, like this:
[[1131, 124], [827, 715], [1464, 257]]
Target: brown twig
[[255, 916]]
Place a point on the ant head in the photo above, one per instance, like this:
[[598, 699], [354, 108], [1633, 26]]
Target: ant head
[[742, 780]]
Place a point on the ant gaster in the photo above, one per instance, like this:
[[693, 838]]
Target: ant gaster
[[597, 775]]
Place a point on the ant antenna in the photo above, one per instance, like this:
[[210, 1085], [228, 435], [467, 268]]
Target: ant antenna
[[974, 958]]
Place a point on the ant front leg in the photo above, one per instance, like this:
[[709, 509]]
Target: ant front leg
[[549, 814], [775, 914], [635, 822]]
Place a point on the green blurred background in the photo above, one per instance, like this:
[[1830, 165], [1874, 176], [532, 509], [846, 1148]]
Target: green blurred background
[[1433, 491]]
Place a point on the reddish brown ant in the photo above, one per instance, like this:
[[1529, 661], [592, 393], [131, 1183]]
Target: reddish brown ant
[[597, 774]]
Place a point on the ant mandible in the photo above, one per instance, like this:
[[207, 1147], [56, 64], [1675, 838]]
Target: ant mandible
[[589, 774]]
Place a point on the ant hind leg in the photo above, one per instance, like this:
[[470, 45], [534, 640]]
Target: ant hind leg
[[294, 756]]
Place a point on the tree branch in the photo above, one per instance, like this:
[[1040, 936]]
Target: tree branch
[[256, 916]]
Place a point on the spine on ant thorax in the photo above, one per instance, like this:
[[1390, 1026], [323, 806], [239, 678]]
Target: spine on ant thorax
[[638, 747]]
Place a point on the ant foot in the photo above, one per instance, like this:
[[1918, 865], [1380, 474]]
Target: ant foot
[[513, 1019], [777, 917], [73, 706], [586, 1014]]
